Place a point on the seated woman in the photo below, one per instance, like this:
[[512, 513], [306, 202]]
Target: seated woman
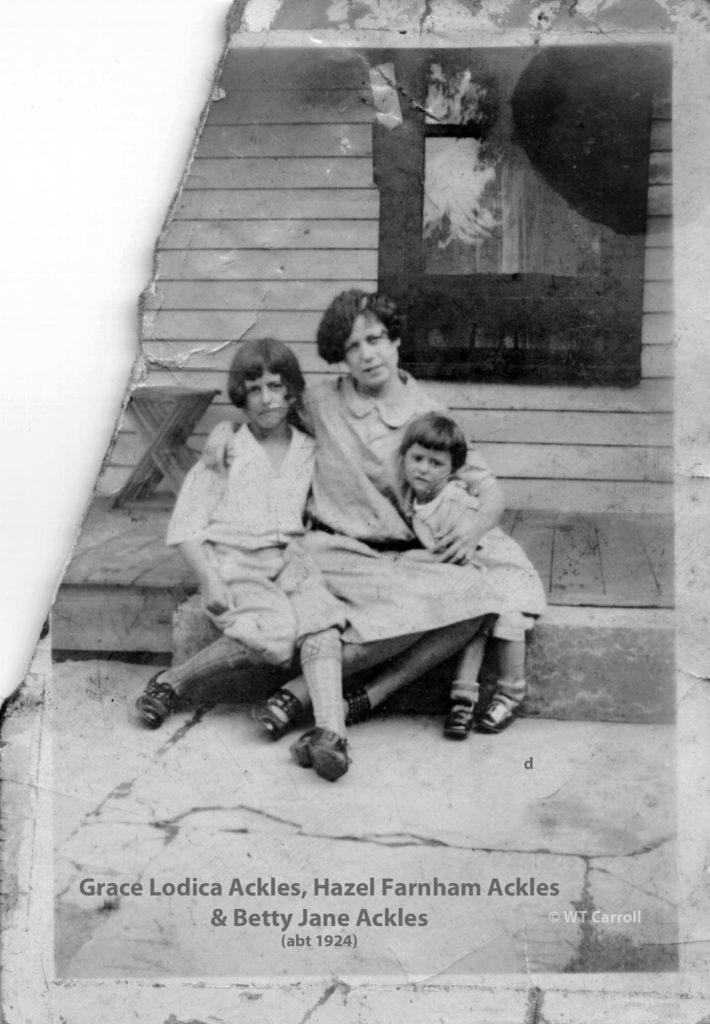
[[359, 532]]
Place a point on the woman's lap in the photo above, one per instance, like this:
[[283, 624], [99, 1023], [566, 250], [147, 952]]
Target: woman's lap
[[389, 596]]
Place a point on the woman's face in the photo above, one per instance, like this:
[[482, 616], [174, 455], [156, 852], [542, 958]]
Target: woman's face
[[371, 355]]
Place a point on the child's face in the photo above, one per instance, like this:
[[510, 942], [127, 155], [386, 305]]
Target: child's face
[[267, 403], [426, 470]]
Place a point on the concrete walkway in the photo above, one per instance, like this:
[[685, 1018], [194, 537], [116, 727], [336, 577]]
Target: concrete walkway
[[569, 865]]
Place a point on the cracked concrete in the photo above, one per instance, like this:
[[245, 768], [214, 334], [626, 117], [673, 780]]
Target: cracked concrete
[[206, 799]]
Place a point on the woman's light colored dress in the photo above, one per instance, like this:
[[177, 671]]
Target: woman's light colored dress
[[361, 543]]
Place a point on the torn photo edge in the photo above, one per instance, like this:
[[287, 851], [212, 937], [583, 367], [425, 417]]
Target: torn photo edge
[[512, 996]]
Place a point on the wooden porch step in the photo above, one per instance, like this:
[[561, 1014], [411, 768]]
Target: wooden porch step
[[603, 650], [600, 560]]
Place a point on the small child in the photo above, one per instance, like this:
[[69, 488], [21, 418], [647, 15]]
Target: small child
[[240, 530], [432, 450]]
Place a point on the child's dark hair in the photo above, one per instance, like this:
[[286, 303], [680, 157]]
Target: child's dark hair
[[264, 355], [337, 321], [441, 434]]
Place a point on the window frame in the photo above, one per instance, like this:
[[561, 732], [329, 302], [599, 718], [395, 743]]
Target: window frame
[[600, 317]]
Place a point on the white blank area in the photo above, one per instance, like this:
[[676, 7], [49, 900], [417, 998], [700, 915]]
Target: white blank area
[[99, 106]]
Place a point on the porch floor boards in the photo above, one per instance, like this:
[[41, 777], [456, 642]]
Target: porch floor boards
[[601, 560]]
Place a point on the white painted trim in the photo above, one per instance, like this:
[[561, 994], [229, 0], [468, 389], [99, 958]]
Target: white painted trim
[[580, 616]]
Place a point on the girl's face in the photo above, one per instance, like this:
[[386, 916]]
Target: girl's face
[[372, 356], [267, 403], [426, 470]]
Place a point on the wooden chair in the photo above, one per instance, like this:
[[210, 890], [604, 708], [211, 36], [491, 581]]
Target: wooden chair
[[166, 417]]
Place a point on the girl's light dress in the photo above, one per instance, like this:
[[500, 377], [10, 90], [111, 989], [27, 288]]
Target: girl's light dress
[[507, 567], [360, 537], [250, 522]]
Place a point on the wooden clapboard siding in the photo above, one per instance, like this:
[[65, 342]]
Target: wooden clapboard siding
[[278, 213], [589, 495], [657, 361], [658, 264], [323, 140], [271, 234], [661, 136], [305, 296], [649, 396], [657, 321], [280, 172], [312, 106], [215, 325], [660, 200], [522, 460], [657, 327], [521, 427], [659, 171], [278, 264], [263, 204], [659, 232], [585, 462], [628, 430], [248, 71], [658, 296]]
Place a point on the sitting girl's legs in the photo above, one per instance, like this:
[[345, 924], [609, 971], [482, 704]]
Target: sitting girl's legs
[[280, 711], [322, 662], [324, 747], [258, 624], [173, 686], [464, 689], [509, 633], [413, 655], [510, 688]]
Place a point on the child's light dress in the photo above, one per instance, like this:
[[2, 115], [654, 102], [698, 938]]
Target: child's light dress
[[250, 520], [508, 569]]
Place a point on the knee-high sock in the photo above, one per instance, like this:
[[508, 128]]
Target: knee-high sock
[[356, 657], [427, 652], [465, 685], [321, 660], [511, 664], [224, 655]]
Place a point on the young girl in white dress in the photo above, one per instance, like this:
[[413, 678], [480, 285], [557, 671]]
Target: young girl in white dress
[[434, 448], [240, 529]]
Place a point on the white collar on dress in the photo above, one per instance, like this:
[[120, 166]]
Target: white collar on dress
[[251, 449], [394, 411]]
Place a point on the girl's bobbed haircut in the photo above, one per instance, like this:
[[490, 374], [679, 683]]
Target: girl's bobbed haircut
[[337, 321], [264, 355], [441, 434]]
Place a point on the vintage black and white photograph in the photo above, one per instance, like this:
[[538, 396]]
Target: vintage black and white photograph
[[364, 663]]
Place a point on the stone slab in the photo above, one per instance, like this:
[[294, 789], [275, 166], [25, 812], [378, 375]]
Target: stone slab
[[205, 798]]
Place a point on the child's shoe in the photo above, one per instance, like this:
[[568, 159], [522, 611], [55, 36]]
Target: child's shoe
[[157, 702], [359, 706], [278, 713], [323, 750], [459, 720], [500, 713]]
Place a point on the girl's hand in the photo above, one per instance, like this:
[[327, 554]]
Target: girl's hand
[[458, 543], [217, 453], [215, 596]]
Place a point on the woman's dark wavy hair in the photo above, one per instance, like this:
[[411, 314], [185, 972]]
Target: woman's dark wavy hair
[[441, 434], [260, 356], [338, 319]]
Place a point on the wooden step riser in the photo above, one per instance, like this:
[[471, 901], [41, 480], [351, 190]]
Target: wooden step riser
[[584, 664]]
